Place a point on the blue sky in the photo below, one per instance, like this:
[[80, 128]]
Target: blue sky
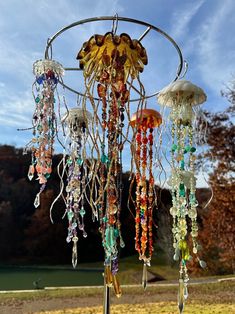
[[204, 30]]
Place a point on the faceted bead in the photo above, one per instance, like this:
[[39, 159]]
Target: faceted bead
[[104, 158], [69, 161], [202, 264], [40, 79], [182, 164], [187, 148], [37, 100], [193, 149], [37, 201], [31, 172], [174, 147], [79, 161]]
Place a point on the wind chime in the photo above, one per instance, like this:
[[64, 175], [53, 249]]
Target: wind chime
[[94, 138], [47, 74], [144, 122], [181, 97], [76, 123]]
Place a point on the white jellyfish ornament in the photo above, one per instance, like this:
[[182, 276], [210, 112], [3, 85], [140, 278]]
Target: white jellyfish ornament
[[182, 98]]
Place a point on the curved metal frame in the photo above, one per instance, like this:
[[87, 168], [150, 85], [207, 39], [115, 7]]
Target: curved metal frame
[[117, 18]]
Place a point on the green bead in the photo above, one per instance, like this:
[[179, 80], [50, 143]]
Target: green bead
[[79, 161], [70, 215], [187, 149], [104, 159], [183, 246], [116, 233], [193, 149], [69, 161], [182, 164], [109, 237], [82, 211], [37, 100], [192, 197], [47, 175], [173, 147], [182, 187]]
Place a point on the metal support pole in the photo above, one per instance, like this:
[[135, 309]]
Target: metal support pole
[[106, 307]]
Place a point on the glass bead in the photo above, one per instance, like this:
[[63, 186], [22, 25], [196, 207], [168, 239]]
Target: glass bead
[[70, 215], [173, 211], [104, 159], [40, 79], [194, 233], [174, 147], [37, 201], [79, 161], [193, 149], [37, 100], [116, 233], [202, 264], [82, 212], [192, 213], [69, 161]]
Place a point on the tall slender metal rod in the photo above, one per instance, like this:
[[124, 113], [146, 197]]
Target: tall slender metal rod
[[106, 307]]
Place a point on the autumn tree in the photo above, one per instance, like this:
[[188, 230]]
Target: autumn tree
[[218, 234]]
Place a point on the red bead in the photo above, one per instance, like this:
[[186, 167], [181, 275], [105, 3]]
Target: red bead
[[145, 140], [138, 137]]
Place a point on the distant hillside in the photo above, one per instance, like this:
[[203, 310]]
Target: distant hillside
[[27, 235]]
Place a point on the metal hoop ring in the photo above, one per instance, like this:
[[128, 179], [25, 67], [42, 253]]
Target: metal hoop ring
[[117, 18]]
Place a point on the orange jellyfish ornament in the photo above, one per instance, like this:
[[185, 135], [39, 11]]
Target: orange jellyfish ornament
[[144, 122]]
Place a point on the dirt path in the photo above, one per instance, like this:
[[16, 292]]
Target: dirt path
[[223, 292]]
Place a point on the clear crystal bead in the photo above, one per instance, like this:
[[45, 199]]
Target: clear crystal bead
[[37, 201]]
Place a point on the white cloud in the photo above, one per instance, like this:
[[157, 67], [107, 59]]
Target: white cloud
[[215, 46], [182, 18]]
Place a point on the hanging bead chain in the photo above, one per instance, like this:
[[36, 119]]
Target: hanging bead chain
[[44, 130], [75, 189], [143, 195], [150, 193], [183, 188], [138, 189], [144, 192]]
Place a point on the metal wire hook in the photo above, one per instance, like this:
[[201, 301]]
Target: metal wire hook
[[115, 24], [185, 69], [50, 51]]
